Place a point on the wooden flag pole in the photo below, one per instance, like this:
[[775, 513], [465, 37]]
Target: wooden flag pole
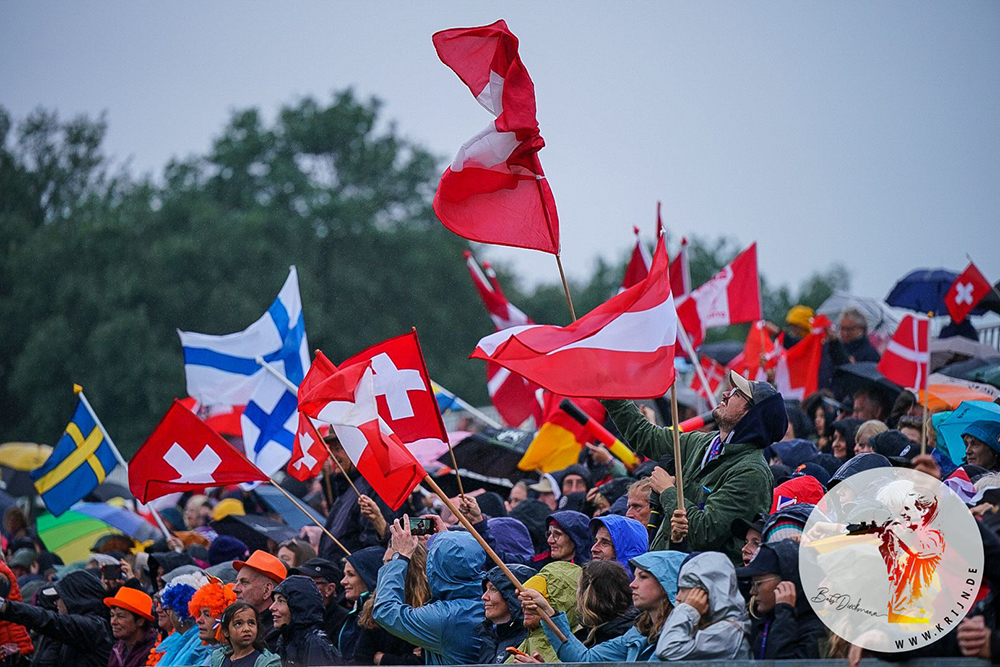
[[548, 225], [488, 549], [675, 429], [308, 514], [699, 371]]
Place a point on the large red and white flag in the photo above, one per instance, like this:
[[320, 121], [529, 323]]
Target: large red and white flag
[[968, 290], [495, 190], [347, 401], [624, 348], [906, 360], [797, 373], [680, 272], [638, 264], [184, 454], [732, 296], [512, 395]]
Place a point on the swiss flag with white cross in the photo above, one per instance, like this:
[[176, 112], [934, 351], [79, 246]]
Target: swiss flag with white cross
[[967, 290], [183, 453], [308, 452]]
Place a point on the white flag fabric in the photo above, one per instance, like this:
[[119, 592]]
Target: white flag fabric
[[222, 370]]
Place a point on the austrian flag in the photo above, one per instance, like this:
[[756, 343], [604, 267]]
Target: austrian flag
[[624, 348]]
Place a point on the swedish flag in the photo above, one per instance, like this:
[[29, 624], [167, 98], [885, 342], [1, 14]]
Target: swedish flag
[[80, 461]]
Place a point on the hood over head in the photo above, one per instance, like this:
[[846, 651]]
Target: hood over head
[[577, 526], [511, 536], [561, 581], [787, 552], [82, 593], [665, 566], [455, 566], [304, 601], [765, 423], [786, 522], [507, 591], [575, 469], [714, 573], [168, 560], [630, 537], [366, 562], [793, 453], [859, 463], [533, 514]]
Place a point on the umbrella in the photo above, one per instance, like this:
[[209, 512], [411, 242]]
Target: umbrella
[[950, 428], [71, 534], [946, 351], [722, 351], [940, 378], [23, 456], [127, 522], [108, 490], [287, 510], [492, 452], [924, 290], [948, 396], [849, 378], [882, 322], [254, 531], [976, 370]]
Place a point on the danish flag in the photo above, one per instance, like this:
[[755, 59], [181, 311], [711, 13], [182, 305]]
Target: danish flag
[[906, 359], [732, 296], [968, 290], [797, 372], [714, 374]]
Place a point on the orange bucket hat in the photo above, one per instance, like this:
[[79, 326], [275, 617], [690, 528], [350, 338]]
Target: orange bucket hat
[[132, 600], [268, 565]]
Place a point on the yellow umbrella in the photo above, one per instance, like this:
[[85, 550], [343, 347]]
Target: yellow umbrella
[[23, 456]]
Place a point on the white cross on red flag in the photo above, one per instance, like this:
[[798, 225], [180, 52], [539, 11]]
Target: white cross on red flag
[[731, 296], [184, 454], [714, 374], [968, 290], [907, 358]]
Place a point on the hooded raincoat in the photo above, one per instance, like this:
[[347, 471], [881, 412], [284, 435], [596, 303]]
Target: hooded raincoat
[[727, 624], [561, 581], [632, 646], [302, 641], [366, 562], [577, 526], [446, 626], [736, 484], [509, 538], [82, 636], [630, 537], [497, 638]]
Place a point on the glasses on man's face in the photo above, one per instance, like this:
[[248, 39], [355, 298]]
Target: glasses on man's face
[[736, 392]]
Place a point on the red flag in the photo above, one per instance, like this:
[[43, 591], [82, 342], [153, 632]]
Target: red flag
[[638, 265], [495, 190], [512, 395], [968, 290], [797, 374], [185, 454], [714, 375], [224, 419], [758, 348], [308, 452], [680, 272], [624, 348], [907, 358], [347, 401], [732, 296]]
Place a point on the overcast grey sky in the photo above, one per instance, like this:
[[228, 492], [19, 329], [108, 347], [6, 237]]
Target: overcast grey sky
[[861, 132]]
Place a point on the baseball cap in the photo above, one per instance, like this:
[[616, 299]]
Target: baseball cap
[[740, 527], [765, 562], [547, 484], [23, 558], [319, 568], [757, 391]]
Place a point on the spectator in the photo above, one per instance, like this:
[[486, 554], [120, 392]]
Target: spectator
[[534, 515], [183, 647], [653, 592], [132, 626], [556, 584], [226, 548], [575, 479], [507, 536], [568, 538], [843, 439], [297, 610], [823, 415], [982, 444], [197, 512], [518, 493], [864, 434], [256, 578], [852, 344], [548, 491], [445, 628], [604, 601], [504, 624], [803, 489], [638, 501], [618, 538], [725, 474], [800, 427], [791, 453], [377, 646], [751, 533], [79, 634], [784, 626], [360, 575], [327, 577], [869, 403], [12, 633], [243, 644], [206, 606], [710, 620], [859, 463], [295, 552]]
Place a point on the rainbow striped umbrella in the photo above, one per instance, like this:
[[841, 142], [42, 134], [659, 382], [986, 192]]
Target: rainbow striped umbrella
[[72, 534]]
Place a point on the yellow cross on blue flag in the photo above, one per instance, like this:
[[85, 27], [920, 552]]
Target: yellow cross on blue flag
[[80, 461]]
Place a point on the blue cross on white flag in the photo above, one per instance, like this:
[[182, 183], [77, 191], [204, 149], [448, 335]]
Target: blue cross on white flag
[[222, 370]]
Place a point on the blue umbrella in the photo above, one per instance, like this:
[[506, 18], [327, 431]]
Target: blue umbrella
[[950, 426], [924, 290]]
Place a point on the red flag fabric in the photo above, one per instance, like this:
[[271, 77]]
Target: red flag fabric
[[403, 389], [223, 419], [512, 395], [715, 373], [495, 190], [968, 290], [347, 401], [680, 272], [907, 358], [624, 348], [732, 296], [757, 348], [185, 454], [638, 265], [308, 452], [797, 373]]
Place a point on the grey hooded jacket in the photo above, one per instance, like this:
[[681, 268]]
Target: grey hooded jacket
[[728, 626]]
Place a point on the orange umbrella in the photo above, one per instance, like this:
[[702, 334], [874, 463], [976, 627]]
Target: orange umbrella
[[948, 396]]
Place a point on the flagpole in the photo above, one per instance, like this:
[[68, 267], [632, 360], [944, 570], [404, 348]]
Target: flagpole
[[488, 549], [475, 412], [78, 390], [292, 387], [676, 430], [925, 421], [307, 513], [699, 371], [548, 226]]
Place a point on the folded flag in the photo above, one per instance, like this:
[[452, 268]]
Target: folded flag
[[638, 265], [185, 454], [797, 373], [624, 348], [680, 272], [968, 290], [79, 462], [732, 296], [222, 370], [347, 401], [495, 190], [907, 358]]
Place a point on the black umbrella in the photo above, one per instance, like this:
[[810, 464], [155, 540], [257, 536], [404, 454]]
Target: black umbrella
[[849, 378], [492, 452], [256, 532], [108, 490], [722, 351]]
